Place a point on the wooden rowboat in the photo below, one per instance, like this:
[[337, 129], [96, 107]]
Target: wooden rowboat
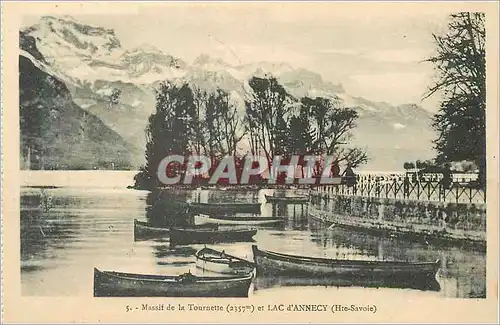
[[287, 199], [221, 208], [268, 262], [220, 262], [143, 229], [204, 236], [233, 220], [115, 284]]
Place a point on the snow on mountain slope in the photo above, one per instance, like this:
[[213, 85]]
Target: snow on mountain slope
[[94, 53], [92, 63], [91, 53], [60, 133], [62, 39]]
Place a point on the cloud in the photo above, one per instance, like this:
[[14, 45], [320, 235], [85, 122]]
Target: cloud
[[398, 126]]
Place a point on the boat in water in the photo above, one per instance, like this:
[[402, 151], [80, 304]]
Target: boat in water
[[235, 220], [146, 230], [287, 199], [118, 284], [181, 236], [273, 263], [223, 208], [209, 259]]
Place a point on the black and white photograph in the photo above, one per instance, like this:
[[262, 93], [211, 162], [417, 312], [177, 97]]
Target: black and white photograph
[[254, 151]]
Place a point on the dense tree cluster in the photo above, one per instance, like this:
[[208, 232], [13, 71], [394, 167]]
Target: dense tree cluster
[[189, 120]]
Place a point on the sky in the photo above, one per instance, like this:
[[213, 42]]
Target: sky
[[375, 54]]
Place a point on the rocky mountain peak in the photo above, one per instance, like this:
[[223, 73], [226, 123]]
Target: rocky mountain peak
[[204, 59], [64, 35], [148, 57]]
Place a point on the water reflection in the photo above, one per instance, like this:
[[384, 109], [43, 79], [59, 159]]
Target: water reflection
[[87, 228], [263, 283]]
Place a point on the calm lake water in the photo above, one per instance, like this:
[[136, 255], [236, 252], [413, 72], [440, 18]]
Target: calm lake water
[[87, 222]]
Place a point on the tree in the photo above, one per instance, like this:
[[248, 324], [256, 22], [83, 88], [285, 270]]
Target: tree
[[408, 165], [224, 128], [333, 129], [170, 128], [302, 137], [199, 123], [267, 114], [217, 126], [460, 66]]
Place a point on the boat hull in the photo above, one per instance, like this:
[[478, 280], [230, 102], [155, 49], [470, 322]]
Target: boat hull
[[145, 230], [283, 264], [224, 208], [237, 221], [214, 261], [205, 236], [115, 284], [142, 229]]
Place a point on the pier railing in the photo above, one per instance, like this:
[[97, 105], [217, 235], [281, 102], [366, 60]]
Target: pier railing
[[405, 189]]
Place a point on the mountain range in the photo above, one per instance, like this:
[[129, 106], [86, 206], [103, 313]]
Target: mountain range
[[89, 64]]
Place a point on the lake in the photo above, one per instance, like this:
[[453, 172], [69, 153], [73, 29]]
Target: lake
[[86, 221]]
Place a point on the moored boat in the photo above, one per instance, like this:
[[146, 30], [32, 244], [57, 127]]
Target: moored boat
[[234, 220], [145, 229], [268, 262], [287, 199], [220, 262], [182, 236], [114, 284], [221, 208]]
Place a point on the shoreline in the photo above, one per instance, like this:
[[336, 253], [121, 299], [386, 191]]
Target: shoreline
[[419, 233]]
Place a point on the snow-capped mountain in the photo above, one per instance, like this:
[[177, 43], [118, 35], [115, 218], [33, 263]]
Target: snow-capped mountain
[[86, 53], [92, 63], [55, 132]]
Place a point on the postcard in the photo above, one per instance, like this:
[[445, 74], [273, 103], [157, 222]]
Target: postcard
[[249, 162]]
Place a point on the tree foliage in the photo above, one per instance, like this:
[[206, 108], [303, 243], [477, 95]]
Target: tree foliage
[[170, 128], [460, 66], [333, 125], [189, 120], [302, 134], [224, 128], [267, 113], [408, 165]]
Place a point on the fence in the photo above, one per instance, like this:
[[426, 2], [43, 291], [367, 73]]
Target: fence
[[404, 189]]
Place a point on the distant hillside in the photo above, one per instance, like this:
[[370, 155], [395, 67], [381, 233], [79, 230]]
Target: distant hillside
[[55, 132], [92, 63]]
